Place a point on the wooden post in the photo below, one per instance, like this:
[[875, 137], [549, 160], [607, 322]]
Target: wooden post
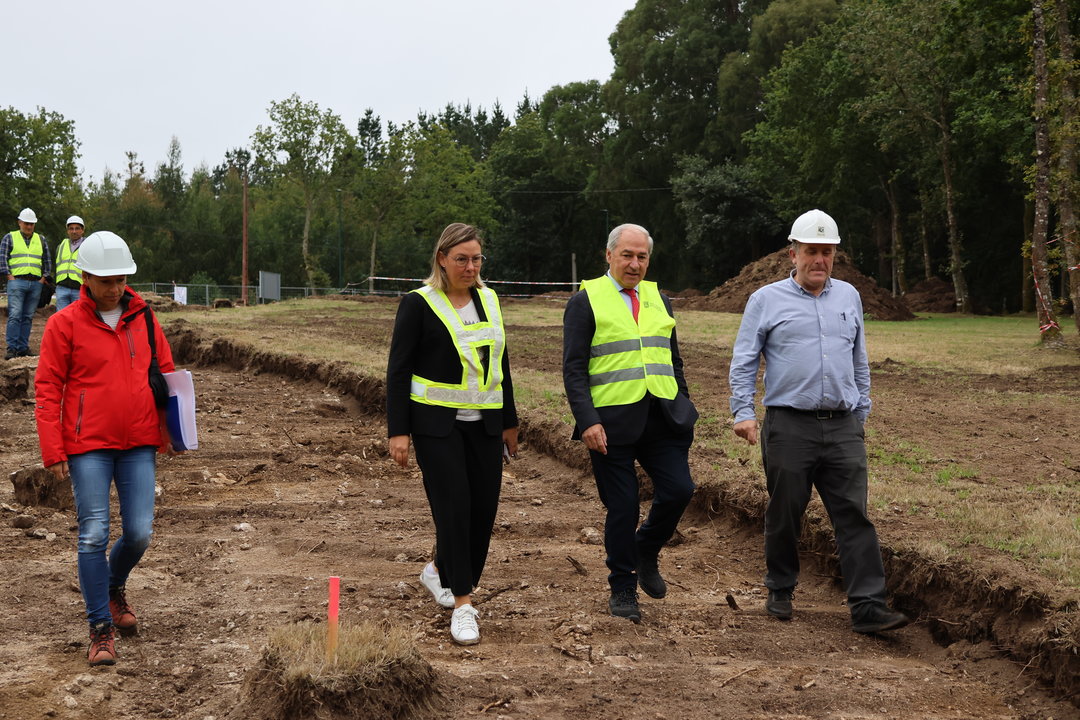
[[332, 619]]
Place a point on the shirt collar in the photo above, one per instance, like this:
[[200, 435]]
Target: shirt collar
[[795, 284], [615, 282]]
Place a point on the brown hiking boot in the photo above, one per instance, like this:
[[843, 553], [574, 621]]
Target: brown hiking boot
[[123, 617], [102, 645]]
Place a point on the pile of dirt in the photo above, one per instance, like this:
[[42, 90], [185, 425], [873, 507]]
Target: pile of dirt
[[933, 295], [732, 295], [38, 486], [160, 303]]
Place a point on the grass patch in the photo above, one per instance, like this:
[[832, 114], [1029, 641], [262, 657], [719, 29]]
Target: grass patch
[[951, 472], [377, 672], [1042, 535], [904, 455]]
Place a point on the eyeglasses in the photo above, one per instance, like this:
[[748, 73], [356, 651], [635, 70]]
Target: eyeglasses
[[462, 260]]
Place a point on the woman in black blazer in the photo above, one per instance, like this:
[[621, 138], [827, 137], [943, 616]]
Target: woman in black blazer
[[448, 386]]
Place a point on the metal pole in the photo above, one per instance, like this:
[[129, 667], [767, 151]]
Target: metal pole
[[244, 251], [340, 251]]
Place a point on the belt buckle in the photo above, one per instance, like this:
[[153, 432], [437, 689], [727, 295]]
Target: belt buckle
[[825, 414]]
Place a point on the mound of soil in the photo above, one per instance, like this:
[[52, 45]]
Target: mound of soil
[[160, 303], [37, 486], [933, 295], [286, 684], [732, 295]]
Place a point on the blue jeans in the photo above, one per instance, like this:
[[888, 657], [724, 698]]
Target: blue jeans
[[65, 296], [91, 474], [22, 304]]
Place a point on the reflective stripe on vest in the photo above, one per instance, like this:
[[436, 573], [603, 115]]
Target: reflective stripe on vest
[[628, 359], [473, 391], [65, 263], [25, 258]]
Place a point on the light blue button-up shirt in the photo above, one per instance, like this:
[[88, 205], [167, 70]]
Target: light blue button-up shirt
[[814, 350]]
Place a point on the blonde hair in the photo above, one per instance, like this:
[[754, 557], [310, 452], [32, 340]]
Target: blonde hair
[[452, 236]]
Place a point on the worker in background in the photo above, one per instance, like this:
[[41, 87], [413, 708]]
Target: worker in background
[[68, 278], [27, 264]]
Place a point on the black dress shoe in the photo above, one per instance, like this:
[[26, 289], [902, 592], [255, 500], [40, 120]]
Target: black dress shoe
[[623, 603], [877, 618], [11, 354], [648, 575], [779, 603]]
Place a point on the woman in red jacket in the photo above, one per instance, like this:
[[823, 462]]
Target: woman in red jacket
[[98, 423]]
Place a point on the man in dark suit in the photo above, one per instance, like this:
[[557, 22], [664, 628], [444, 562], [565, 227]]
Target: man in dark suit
[[624, 381]]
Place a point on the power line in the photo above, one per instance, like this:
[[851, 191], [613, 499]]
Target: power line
[[584, 192]]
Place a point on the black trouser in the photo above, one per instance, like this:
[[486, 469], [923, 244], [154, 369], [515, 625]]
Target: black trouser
[[664, 457], [462, 479], [802, 450]]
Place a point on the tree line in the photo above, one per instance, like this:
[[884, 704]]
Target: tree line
[[941, 134]]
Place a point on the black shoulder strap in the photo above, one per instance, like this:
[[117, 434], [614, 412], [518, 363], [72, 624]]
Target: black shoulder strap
[[148, 314]]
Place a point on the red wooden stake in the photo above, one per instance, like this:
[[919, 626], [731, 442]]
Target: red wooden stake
[[332, 617]]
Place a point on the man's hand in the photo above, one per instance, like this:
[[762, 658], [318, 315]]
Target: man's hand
[[60, 470], [399, 449], [510, 440], [595, 438], [747, 430]]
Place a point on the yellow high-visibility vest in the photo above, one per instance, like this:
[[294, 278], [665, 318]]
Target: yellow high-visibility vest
[[628, 359], [476, 390], [25, 256], [65, 263]]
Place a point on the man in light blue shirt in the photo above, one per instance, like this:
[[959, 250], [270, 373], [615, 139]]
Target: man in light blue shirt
[[809, 330]]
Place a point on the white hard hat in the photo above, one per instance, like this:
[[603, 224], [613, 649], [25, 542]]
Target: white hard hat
[[28, 216], [75, 219], [104, 254], [816, 227]]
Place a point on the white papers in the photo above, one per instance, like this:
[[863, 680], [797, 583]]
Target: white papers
[[180, 412]]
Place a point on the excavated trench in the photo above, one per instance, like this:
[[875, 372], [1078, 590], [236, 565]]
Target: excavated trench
[[955, 601]]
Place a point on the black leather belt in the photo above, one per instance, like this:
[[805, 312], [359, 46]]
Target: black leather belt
[[819, 414]]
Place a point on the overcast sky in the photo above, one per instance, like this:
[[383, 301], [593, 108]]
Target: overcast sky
[[131, 75]]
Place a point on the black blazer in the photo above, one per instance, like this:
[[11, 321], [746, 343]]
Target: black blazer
[[623, 424], [423, 346]]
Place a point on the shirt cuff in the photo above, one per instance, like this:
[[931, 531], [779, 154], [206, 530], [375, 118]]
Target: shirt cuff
[[745, 415]]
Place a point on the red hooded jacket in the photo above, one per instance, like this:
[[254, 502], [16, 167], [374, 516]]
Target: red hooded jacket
[[92, 391]]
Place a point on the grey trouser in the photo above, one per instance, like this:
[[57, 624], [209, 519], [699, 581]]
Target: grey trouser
[[802, 450]]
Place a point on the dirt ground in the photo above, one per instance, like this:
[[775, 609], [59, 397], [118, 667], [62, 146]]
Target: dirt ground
[[292, 484]]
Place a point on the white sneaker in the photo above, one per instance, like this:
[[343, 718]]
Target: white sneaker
[[463, 627], [443, 596]]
